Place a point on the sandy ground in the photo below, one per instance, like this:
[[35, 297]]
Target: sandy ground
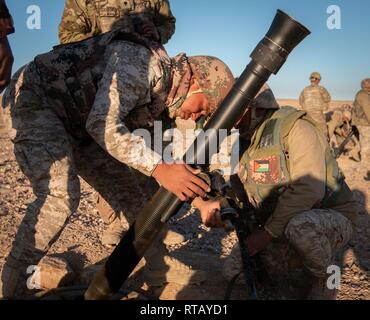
[[206, 249]]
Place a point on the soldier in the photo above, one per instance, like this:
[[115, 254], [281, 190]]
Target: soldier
[[304, 206], [74, 112], [339, 127], [361, 119], [87, 18], [6, 56], [315, 100]]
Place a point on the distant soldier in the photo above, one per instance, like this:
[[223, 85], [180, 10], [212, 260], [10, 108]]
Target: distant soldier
[[339, 128], [315, 100], [6, 56], [87, 18], [361, 119]]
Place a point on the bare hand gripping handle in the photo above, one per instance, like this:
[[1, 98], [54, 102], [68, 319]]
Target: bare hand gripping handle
[[269, 56]]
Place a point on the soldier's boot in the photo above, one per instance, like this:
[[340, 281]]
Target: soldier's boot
[[161, 269], [114, 233], [320, 290]]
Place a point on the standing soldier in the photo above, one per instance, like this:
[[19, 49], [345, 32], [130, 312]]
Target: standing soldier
[[6, 56], [153, 19], [315, 100], [83, 19], [361, 119]]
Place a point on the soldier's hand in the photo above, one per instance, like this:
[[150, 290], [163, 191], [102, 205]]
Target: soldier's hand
[[210, 212], [181, 180], [258, 241]]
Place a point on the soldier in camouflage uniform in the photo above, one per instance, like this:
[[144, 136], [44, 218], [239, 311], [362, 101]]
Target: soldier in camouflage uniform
[[361, 119], [339, 127], [302, 202], [74, 111], [315, 100], [6, 56], [87, 18]]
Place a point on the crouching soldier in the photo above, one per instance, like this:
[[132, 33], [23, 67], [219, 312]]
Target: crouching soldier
[[74, 112], [303, 205], [339, 128]]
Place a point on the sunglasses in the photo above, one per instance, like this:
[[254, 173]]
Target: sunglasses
[[313, 78]]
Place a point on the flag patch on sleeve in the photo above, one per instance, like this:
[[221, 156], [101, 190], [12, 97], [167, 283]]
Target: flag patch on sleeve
[[261, 166]]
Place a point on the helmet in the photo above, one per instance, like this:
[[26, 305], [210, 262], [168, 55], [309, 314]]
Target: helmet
[[365, 84], [213, 76], [316, 75]]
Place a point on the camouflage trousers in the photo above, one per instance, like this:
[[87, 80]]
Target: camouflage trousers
[[53, 162], [310, 242], [365, 143]]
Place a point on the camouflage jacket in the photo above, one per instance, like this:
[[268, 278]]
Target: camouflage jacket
[[6, 25], [361, 112], [314, 99], [86, 18], [106, 88]]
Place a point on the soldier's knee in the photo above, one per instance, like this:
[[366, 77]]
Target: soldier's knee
[[300, 227]]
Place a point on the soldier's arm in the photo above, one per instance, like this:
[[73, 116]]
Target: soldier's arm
[[75, 24], [125, 85], [164, 21], [363, 100], [326, 96], [6, 55], [308, 174], [301, 100]]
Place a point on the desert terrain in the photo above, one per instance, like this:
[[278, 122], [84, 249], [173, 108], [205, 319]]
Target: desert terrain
[[79, 247]]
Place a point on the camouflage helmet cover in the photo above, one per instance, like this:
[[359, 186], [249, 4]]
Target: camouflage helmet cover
[[213, 76]]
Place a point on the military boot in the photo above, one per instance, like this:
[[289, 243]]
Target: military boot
[[114, 233], [160, 268]]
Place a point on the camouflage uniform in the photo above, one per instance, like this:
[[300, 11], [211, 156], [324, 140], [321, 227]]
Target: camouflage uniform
[[103, 88], [361, 119], [339, 126], [287, 173], [315, 101], [86, 18]]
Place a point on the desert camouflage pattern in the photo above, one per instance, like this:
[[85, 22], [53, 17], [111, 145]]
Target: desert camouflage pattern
[[361, 111], [339, 126], [315, 101], [83, 19], [6, 23], [214, 78], [365, 143], [311, 241], [53, 161]]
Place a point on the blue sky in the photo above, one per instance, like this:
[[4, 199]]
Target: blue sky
[[231, 29]]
